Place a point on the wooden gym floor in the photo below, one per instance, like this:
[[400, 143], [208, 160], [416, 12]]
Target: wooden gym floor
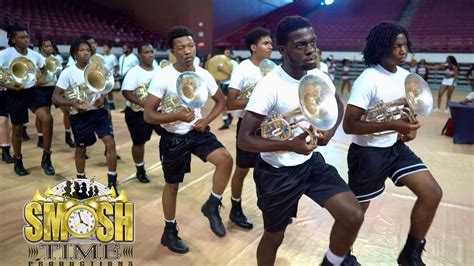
[[449, 242]]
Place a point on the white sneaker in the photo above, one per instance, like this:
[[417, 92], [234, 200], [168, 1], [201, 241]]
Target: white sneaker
[[436, 110], [446, 111]]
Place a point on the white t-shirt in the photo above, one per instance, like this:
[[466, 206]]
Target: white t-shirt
[[127, 62], [70, 61], [164, 84], [60, 58], [136, 76], [277, 93], [110, 61], [234, 66], [377, 84], [324, 67], [10, 53], [245, 73], [70, 76]]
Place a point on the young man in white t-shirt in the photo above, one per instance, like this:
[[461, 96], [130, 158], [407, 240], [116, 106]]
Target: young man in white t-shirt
[[86, 121], [140, 131], [112, 64], [288, 169], [259, 42], [187, 132], [46, 48], [371, 158], [29, 96], [127, 60]]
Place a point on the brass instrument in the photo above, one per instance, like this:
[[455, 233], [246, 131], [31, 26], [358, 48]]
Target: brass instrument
[[220, 67], [53, 67], [141, 92], [192, 93], [418, 100], [21, 73], [98, 78], [265, 66], [164, 63], [97, 59], [81, 94], [318, 106]]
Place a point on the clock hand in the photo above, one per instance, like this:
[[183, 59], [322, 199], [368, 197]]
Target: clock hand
[[80, 219]]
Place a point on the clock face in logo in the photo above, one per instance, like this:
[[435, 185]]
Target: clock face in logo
[[81, 221]]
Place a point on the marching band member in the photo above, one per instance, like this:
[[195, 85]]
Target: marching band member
[[112, 64]]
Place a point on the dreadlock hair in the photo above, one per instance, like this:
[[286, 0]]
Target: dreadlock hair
[[290, 24], [75, 46], [379, 42], [177, 32], [254, 36], [12, 30]]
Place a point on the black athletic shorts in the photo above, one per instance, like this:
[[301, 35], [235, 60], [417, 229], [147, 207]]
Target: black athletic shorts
[[140, 131], [176, 150], [244, 159], [88, 124], [40, 97], [3, 103], [369, 167], [279, 189]]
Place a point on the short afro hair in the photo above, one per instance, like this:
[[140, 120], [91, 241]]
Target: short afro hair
[[254, 36], [177, 32], [288, 25]]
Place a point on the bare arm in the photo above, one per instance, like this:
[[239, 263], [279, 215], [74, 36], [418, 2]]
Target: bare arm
[[42, 79], [354, 125], [219, 106], [249, 141], [59, 99], [233, 103], [130, 96]]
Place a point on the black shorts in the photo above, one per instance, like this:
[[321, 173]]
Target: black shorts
[[369, 167], [140, 131], [225, 88], [279, 189], [33, 98], [40, 97], [245, 159], [3, 103], [176, 150], [86, 125]]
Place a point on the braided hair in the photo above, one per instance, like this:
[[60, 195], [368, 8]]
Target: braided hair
[[380, 41], [12, 30]]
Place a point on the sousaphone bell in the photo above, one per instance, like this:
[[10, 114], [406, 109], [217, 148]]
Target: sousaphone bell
[[191, 93]]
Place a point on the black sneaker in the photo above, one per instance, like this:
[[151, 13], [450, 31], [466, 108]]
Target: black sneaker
[[70, 142], [112, 183], [24, 134], [142, 176], [411, 253], [350, 260], [40, 142], [210, 209], [6, 156], [238, 217], [46, 163], [81, 176], [326, 262], [171, 240], [18, 166]]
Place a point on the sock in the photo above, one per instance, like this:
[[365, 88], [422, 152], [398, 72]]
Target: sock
[[170, 221], [68, 130], [140, 164], [219, 197], [333, 258], [112, 173], [40, 134], [236, 200], [80, 175], [5, 145]]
